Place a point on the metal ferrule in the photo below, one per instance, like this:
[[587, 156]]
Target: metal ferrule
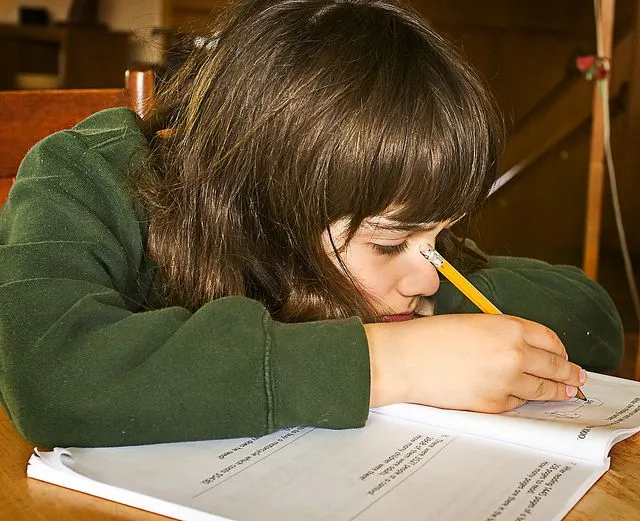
[[433, 257]]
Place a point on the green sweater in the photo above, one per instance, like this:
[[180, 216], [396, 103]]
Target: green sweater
[[83, 363]]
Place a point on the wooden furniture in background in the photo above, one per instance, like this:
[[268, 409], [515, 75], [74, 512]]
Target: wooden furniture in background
[[28, 116], [75, 57], [139, 87]]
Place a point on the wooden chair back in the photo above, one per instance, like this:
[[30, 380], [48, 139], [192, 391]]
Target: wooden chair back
[[27, 116]]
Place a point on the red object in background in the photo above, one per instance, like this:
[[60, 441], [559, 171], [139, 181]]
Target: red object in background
[[594, 67]]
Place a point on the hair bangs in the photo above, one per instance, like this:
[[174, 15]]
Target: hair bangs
[[420, 149]]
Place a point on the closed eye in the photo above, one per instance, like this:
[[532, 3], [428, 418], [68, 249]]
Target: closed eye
[[393, 249]]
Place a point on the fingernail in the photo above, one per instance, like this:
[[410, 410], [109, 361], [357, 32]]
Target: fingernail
[[571, 391], [583, 376]]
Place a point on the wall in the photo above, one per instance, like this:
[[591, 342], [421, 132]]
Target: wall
[[139, 17]]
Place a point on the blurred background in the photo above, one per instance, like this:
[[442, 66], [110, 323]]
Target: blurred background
[[525, 49]]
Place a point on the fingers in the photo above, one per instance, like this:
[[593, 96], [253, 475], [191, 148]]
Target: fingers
[[550, 366], [533, 388], [546, 374]]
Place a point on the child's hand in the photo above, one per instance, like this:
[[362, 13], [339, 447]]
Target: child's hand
[[488, 363]]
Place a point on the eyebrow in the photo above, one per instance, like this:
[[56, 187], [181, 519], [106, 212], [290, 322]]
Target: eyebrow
[[401, 227]]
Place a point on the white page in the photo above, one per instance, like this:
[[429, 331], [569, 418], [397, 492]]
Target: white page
[[392, 469], [572, 428]]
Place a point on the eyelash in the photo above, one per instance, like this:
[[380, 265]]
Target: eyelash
[[394, 249]]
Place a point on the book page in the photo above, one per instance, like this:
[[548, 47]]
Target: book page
[[391, 469], [574, 428]]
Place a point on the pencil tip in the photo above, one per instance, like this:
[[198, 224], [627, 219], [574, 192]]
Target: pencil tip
[[580, 395]]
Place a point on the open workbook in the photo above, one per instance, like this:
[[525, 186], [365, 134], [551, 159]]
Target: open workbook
[[409, 462]]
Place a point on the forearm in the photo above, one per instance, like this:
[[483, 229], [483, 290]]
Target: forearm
[[99, 375]]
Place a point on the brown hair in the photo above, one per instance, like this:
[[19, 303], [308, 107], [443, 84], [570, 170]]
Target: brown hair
[[297, 113]]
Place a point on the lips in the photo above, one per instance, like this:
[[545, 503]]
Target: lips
[[398, 318]]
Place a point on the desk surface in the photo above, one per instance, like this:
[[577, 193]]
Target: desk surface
[[616, 496]]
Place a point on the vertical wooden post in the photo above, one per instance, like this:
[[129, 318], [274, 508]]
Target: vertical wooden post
[[139, 87], [596, 160]]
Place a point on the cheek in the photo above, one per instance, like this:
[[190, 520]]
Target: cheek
[[377, 274]]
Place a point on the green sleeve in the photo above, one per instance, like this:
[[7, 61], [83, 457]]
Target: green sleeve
[[562, 298], [82, 363]]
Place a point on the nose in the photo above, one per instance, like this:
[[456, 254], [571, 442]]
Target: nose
[[420, 277]]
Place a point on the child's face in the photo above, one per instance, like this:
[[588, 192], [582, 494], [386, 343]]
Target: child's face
[[387, 263]]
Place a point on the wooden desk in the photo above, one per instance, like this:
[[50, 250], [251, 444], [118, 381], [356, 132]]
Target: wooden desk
[[615, 497]]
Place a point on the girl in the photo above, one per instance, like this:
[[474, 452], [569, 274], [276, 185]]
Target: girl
[[207, 272]]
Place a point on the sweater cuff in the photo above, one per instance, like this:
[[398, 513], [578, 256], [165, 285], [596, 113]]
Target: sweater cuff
[[326, 385]]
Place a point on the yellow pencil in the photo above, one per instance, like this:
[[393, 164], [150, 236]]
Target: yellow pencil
[[459, 281], [466, 288]]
